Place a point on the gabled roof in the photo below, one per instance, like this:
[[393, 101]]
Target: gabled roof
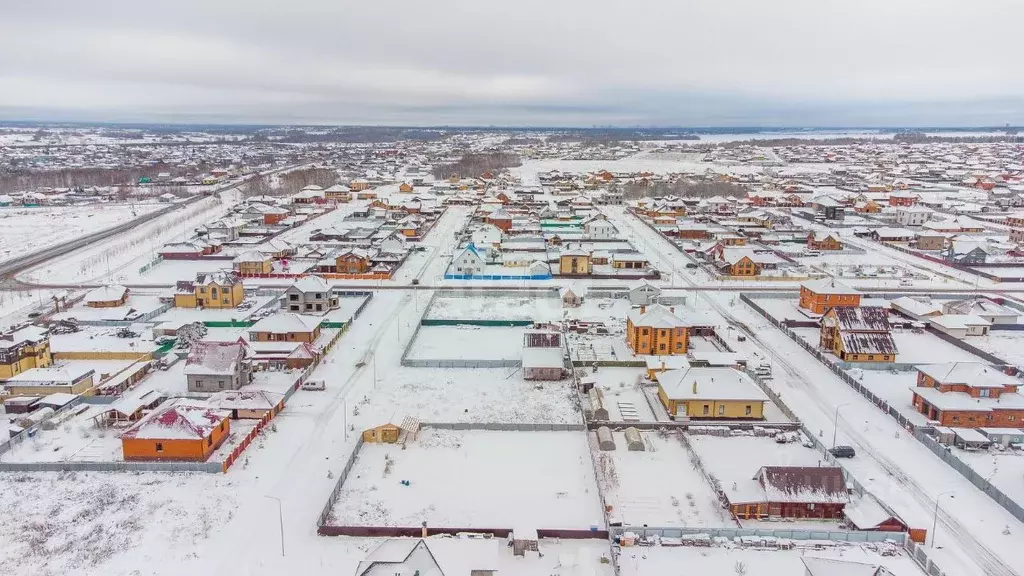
[[829, 286], [179, 419], [656, 316], [804, 484], [861, 319], [717, 383], [214, 358], [311, 283], [972, 374], [106, 293], [286, 322]]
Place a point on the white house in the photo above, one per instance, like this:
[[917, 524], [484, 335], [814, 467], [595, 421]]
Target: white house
[[912, 215], [600, 230], [644, 294], [961, 325], [468, 262], [984, 308]]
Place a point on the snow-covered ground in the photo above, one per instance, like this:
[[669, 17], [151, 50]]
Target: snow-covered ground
[[473, 479], [468, 343], [659, 486], [25, 230]]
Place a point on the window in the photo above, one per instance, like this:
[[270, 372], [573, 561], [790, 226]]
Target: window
[[984, 393], [309, 306], [224, 300], [956, 418], [707, 410], [220, 384], [721, 409], [661, 347], [294, 308], [293, 297], [319, 307], [159, 447], [319, 295], [644, 332]]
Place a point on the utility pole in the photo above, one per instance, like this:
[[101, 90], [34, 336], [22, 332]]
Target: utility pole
[[835, 425], [935, 521], [280, 519]]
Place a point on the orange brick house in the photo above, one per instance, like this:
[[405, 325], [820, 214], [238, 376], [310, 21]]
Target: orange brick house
[[823, 241], [902, 198], [179, 429], [968, 395], [656, 330], [819, 296]]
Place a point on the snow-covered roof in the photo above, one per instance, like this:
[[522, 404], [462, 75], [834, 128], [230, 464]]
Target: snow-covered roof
[[693, 383], [539, 357], [959, 321], [286, 322], [244, 400], [964, 402], [656, 316], [311, 283], [828, 286], [804, 484], [214, 358], [972, 374], [251, 256], [179, 419], [916, 306], [865, 513], [111, 293]]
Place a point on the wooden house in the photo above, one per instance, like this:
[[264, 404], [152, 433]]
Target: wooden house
[[220, 289], [107, 296], [803, 492], [711, 393], [656, 330], [858, 334], [252, 263], [575, 262], [824, 241]]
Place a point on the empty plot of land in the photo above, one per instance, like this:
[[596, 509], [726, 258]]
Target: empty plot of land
[[24, 230], [475, 479], [657, 487], [468, 343], [496, 308]]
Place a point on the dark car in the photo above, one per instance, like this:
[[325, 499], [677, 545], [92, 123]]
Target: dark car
[[843, 452]]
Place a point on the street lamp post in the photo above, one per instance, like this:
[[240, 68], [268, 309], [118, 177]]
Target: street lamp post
[[280, 519], [835, 425], [935, 521]]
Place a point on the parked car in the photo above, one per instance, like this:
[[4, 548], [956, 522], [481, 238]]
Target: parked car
[[314, 385], [842, 451]]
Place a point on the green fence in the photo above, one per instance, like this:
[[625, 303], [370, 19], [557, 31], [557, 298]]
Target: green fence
[[445, 322], [227, 323]]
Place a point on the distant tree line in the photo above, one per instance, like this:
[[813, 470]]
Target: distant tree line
[[15, 178], [899, 138], [473, 165], [296, 180], [682, 187]]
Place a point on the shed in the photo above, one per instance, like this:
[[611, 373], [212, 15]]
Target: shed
[[20, 404], [1003, 436], [868, 514], [634, 441], [56, 400], [597, 408], [944, 435], [570, 298], [605, 441], [970, 439]]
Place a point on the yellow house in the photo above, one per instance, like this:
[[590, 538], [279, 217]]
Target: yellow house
[[575, 262], [23, 350], [383, 434], [711, 393], [220, 289], [51, 380], [252, 263]]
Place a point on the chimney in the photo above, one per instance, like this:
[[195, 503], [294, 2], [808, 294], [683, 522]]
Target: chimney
[[694, 386], [672, 309], [423, 532], [643, 308]]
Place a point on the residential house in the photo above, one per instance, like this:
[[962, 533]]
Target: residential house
[[800, 492], [110, 296], [338, 193], [346, 261], [966, 252], [216, 366], [286, 327], [279, 355], [656, 330], [968, 395], [961, 325], [818, 296], [575, 262], [912, 215], [500, 219], [309, 295], [919, 308], [24, 349], [252, 263], [892, 235], [824, 241], [867, 207], [931, 241], [432, 557], [815, 566], [179, 429], [858, 334], [903, 198], [68, 379], [713, 393], [991, 311], [247, 404], [644, 293], [190, 250], [469, 262], [487, 235], [220, 289], [600, 229]]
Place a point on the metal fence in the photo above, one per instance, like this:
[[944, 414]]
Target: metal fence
[[505, 427], [457, 363], [336, 492], [789, 534], [945, 455], [920, 555], [212, 467]]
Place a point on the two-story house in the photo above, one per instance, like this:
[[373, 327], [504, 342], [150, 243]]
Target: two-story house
[[968, 395], [309, 295]]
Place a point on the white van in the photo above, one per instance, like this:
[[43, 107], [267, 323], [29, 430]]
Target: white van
[[314, 385]]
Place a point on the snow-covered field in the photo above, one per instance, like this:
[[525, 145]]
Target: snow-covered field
[[25, 230], [657, 487], [1005, 344], [468, 343], [473, 479], [500, 308]]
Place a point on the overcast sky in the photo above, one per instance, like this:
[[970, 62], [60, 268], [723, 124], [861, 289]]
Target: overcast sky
[[521, 62]]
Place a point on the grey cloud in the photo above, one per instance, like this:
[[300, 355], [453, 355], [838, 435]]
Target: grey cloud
[[558, 62]]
